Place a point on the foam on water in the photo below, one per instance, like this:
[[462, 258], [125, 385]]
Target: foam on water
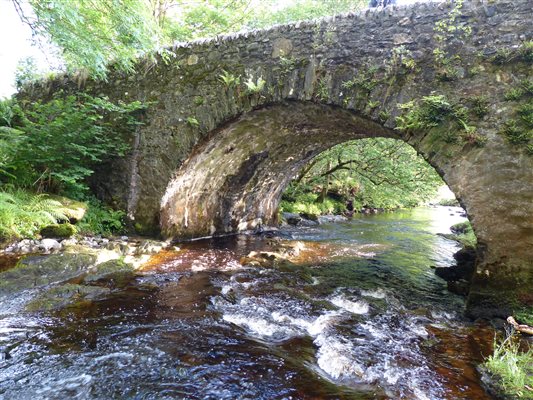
[[334, 356], [356, 307], [259, 326], [376, 293]]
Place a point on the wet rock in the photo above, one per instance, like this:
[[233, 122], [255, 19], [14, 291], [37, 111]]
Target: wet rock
[[291, 218], [116, 272], [4, 353], [122, 248], [36, 271], [69, 242], [460, 287], [328, 219], [466, 259], [459, 276], [451, 273], [281, 252], [65, 296], [149, 247], [48, 245], [307, 222], [310, 217]]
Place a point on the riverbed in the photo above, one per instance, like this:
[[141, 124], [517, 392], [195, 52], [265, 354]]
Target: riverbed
[[358, 313]]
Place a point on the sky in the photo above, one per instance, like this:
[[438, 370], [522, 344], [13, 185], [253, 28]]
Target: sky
[[15, 43]]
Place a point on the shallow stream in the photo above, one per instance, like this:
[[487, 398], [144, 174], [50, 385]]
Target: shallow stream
[[360, 315]]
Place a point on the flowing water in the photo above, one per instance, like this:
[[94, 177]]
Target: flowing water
[[359, 315]]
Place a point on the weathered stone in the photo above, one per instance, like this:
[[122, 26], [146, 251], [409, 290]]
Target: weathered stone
[[48, 245], [282, 48]]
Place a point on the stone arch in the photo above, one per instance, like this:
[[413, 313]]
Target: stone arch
[[234, 181]]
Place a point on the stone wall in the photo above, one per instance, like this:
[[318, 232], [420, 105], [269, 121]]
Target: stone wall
[[244, 107]]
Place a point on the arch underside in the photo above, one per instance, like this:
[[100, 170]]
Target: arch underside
[[234, 181]]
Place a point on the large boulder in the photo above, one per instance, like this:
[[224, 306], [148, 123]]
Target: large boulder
[[58, 231]]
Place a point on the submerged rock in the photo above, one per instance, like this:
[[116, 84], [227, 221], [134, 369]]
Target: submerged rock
[[33, 271], [116, 272], [328, 219], [149, 247], [65, 296]]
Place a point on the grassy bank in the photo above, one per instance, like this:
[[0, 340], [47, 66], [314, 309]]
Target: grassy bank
[[464, 234], [511, 368]]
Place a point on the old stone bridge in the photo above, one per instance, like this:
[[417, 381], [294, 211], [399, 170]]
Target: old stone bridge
[[230, 120]]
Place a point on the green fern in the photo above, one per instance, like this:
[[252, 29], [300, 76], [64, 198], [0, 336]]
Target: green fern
[[23, 214]]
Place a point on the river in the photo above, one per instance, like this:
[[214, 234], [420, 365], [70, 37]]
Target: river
[[359, 315]]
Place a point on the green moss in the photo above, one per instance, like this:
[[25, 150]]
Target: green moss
[[35, 271], [58, 231], [464, 234], [114, 270], [64, 296]]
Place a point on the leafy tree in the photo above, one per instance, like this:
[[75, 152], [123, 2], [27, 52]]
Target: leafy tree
[[276, 12], [375, 172], [26, 71], [93, 33], [56, 144]]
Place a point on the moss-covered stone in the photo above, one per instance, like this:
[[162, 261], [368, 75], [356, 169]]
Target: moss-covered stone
[[58, 231], [115, 272], [63, 296], [35, 271], [250, 150]]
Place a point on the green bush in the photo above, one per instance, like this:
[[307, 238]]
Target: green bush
[[102, 220], [525, 316], [58, 143], [23, 214], [307, 203]]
